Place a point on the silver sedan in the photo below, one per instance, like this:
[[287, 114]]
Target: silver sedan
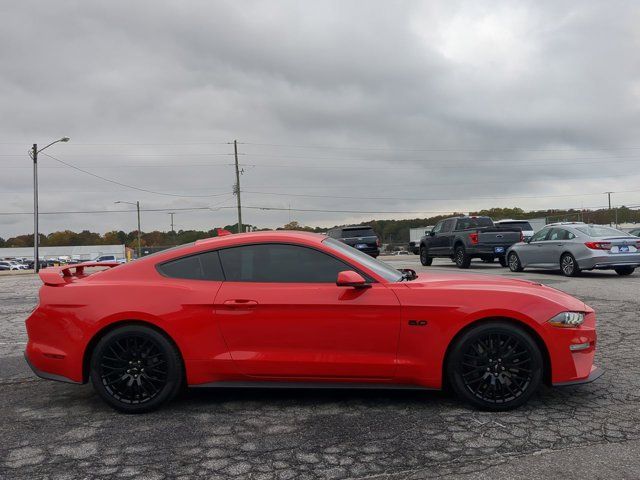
[[574, 246]]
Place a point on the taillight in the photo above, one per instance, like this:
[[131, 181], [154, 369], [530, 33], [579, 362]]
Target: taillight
[[598, 245], [474, 238], [378, 242]]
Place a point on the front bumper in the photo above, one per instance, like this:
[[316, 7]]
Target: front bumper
[[596, 373]]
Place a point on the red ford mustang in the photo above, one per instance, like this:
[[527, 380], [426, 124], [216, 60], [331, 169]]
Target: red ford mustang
[[299, 309]]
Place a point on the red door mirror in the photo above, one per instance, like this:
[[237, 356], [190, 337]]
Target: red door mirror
[[349, 278]]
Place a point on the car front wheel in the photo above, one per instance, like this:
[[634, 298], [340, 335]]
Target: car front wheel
[[514, 262], [136, 369], [425, 259], [495, 366]]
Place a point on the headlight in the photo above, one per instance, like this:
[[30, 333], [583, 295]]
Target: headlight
[[567, 319]]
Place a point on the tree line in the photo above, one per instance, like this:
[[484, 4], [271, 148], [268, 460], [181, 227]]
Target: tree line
[[390, 231]]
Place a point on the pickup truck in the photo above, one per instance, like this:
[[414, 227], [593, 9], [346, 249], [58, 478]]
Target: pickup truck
[[464, 238]]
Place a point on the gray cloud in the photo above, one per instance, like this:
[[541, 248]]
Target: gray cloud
[[433, 106]]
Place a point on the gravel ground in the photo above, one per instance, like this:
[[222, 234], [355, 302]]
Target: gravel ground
[[53, 430]]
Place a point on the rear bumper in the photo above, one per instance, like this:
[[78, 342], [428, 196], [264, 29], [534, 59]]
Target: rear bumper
[[47, 375], [608, 261], [488, 250]]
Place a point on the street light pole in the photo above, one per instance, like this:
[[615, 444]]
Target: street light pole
[[36, 233], [137, 204]]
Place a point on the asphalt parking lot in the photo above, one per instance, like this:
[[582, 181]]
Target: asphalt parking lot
[[59, 431]]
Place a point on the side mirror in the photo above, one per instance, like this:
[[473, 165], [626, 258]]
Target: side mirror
[[349, 278], [432, 233]]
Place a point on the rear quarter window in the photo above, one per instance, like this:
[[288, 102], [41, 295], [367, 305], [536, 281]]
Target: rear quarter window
[[202, 266]]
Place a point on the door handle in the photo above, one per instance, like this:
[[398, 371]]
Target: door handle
[[240, 303]]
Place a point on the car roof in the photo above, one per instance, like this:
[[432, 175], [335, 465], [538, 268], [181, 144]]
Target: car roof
[[266, 236]]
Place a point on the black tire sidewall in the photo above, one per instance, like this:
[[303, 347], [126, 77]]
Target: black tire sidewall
[[175, 369], [624, 270], [456, 354]]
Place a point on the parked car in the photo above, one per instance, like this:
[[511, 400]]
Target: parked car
[[575, 246], [464, 238], [301, 309], [635, 232], [5, 266], [523, 225], [109, 258], [11, 265], [360, 237]]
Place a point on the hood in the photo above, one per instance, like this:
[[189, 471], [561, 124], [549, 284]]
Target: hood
[[472, 281]]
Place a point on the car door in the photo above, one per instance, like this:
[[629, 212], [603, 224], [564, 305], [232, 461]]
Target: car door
[[530, 253], [282, 316], [553, 246], [437, 239]]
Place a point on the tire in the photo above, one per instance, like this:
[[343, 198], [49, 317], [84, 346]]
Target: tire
[[514, 262], [461, 258], [569, 266], [624, 270], [495, 366], [503, 261], [118, 364], [425, 259]]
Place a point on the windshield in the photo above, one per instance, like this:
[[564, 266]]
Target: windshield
[[600, 231], [358, 232], [385, 271], [520, 225]]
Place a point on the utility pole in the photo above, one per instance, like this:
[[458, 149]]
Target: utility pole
[[36, 233], [139, 249], [609, 195], [236, 188], [172, 214]]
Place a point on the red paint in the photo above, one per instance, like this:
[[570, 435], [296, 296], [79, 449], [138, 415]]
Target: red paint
[[234, 331]]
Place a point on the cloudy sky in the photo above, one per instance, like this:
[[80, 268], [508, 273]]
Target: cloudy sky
[[405, 109]]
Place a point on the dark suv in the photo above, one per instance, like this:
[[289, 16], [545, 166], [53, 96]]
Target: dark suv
[[361, 237]]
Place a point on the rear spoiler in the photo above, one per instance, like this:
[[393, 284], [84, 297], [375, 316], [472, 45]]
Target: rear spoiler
[[59, 275]]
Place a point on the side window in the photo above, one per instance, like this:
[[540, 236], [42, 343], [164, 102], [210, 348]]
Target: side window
[[555, 234], [569, 236], [448, 225], [540, 235], [203, 266], [438, 227], [279, 263]]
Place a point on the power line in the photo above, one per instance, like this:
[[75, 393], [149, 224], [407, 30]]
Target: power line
[[129, 186]]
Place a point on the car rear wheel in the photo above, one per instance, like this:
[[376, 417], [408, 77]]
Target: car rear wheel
[[136, 369], [569, 266], [425, 259], [461, 258], [495, 366], [625, 270], [514, 262]]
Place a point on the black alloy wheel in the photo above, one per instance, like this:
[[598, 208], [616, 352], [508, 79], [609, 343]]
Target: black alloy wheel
[[136, 369], [425, 259], [461, 258], [625, 270], [569, 266], [514, 262], [495, 366]]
